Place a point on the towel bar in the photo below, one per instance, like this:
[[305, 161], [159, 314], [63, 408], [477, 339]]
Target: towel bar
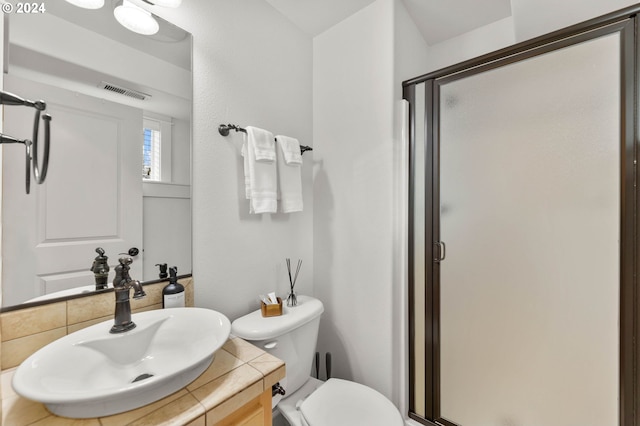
[[224, 129]]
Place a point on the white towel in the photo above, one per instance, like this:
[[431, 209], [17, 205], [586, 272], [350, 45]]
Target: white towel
[[291, 149], [263, 143], [289, 174], [260, 176]]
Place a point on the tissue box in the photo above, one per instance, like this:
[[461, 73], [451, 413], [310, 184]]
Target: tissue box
[[271, 310]]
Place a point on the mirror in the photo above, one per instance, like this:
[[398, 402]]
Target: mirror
[[109, 91]]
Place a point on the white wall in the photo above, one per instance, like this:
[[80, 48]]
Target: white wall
[[358, 67], [537, 17], [411, 54], [251, 67], [166, 210], [166, 234], [478, 42], [353, 128], [530, 18], [181, 152]]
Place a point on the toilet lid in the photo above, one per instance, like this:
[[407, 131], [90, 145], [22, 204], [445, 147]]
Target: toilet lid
[[344, 403]]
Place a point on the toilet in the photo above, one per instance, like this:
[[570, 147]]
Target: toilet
[[308, 401]]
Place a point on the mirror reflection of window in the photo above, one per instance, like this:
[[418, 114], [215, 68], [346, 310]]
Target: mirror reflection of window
[[156, 140], [151, 152]]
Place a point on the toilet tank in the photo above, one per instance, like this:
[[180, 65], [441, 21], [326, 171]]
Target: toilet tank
[[291, 337]]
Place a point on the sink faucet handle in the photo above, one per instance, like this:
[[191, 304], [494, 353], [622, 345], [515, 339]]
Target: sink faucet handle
[[122, 277], [125, 261]]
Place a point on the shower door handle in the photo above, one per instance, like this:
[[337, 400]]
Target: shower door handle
[[440, 252]]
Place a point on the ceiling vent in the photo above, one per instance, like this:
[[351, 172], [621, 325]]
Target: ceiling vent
[[124, 91]]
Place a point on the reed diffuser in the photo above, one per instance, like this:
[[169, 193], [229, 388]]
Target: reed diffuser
[[292, 299]]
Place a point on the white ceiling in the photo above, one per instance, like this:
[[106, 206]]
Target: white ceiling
[[437, 20], [316, 16], [440, 20]]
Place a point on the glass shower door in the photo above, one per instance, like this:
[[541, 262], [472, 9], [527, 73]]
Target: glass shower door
[[529, 209]]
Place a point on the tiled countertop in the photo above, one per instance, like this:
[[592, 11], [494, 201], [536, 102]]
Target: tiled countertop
[[239, 373]]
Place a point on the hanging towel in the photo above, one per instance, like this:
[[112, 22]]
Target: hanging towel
[[290, 149], [260, 175], [263, 143], [289, 174]]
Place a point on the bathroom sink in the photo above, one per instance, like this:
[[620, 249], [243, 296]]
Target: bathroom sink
[[92, 373]]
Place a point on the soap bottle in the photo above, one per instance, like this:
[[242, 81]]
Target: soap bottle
[[173, 293], [163, 270]]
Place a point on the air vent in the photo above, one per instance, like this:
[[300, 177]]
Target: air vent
[[124, 91]]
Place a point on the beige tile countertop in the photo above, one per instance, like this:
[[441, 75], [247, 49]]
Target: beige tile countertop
[[239, 373]]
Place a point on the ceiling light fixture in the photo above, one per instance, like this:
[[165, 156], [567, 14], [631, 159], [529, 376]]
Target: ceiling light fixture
[[164, 3], [87, 4], [135, 18]]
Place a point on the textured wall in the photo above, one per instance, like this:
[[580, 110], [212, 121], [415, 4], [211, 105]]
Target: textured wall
[[251, 67], [534, 18], [358, 68]]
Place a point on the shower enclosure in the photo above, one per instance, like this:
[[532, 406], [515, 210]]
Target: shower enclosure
[[523, 248]]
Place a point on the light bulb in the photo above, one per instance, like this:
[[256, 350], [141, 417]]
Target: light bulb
[[87, 4], [135, 18]]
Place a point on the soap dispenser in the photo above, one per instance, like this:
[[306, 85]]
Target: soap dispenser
[[173, 293], [100, 269], [163, 270]]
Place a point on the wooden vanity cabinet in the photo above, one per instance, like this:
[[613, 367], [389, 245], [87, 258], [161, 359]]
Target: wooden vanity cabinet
[[255, 413]]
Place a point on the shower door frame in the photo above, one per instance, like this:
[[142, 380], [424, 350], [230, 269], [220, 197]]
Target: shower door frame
[[623, 22]]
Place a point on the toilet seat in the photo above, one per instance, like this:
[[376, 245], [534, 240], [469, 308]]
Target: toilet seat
[[343, 403]]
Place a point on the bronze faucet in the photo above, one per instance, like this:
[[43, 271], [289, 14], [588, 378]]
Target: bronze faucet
[[122, 283], [100, 269]]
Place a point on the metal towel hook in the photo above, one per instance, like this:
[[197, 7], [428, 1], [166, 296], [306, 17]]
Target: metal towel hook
[[31, 146]]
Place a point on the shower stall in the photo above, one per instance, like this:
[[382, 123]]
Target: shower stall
[[523, 239]]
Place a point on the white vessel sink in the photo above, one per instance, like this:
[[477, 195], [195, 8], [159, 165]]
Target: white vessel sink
[[92, 373]]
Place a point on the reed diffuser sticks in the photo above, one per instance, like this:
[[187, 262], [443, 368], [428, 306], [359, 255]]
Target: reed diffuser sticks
[[292, 299]]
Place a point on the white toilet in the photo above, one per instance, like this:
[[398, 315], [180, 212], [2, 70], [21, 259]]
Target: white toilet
[[308, 401]]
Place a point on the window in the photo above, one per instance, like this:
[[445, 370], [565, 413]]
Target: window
[[151, 153], [156, 167]]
